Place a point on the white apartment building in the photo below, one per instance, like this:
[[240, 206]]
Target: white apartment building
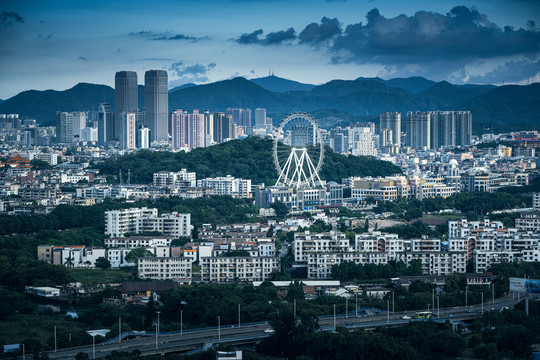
[[229, 269], [529, 221], [437, 263], [167, 178], [138, 241], [117, 257], [173, 224], [165, 268], [307, 242], [119, 222], [239, 188]]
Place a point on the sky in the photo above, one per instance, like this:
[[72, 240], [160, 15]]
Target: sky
[[56, 44]]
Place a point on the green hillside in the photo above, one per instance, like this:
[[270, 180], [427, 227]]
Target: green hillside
[[250, 158]]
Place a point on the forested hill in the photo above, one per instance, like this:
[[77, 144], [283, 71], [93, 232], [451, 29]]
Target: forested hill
[[250, 158]]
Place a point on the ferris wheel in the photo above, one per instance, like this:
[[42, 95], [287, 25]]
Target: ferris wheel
[[298, 151]]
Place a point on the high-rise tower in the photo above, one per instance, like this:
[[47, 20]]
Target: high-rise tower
[[156, 98], [392, 121], [418, 126], [126, 92], [105, 124], [125, 96]]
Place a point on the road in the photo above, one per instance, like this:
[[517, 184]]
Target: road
[[253, 332]]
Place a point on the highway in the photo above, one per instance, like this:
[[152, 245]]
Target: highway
[[204, 338]]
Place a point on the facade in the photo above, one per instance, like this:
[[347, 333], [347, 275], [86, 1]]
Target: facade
[[128, 130], [105, 124], [126, 98], [119, 222], [450, 128], [228, 185], [167, 178], [174, 224], [260, 118], [79, 122], [165, 268], [228, 269], [418, 125], [156, 99], [64, 127], [392, 121]]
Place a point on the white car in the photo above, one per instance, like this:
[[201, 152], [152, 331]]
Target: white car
[[270, 331], [405, 317]]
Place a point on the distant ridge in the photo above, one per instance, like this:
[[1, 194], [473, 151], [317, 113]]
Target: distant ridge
[[185, 86], [277, 84], [507, 108]]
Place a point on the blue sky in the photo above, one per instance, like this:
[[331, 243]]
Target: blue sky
[[56, 44]]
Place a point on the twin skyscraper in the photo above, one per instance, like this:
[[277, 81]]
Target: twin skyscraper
[[156, 108]]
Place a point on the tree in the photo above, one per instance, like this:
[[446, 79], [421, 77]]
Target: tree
[[280, 208], [82, 356], [455, 282], [135, 254], [103, 263]]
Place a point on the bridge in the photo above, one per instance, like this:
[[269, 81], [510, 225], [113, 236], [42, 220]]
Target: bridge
[[165, 343]]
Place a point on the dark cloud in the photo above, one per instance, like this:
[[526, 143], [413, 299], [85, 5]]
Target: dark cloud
[[251, 38], [509, 72], [273, 38], [82, 58], [462, 34], [44, 36], [167, 36], [315, 33], [176, 37], [279, 37], [182, 74], [10, 18]]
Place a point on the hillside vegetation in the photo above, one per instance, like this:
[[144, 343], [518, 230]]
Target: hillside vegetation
[[250, 158]]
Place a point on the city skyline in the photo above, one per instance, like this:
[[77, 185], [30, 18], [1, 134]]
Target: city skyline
[[60, 44]]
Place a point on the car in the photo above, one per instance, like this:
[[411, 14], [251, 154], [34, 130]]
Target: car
[[269, 331], [405, 317]]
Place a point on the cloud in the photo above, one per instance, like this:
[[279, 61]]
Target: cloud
[[181, 73], [163, 36], [315, 33], [10, 18], [251, 38], [82, 58], [41, 36], [280, 36], [462, 34], [514, 71], [273, 38]]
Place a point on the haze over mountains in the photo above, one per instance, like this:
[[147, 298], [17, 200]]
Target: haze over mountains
[[505, 108]]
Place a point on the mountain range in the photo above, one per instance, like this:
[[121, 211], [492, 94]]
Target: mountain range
[[509, 107]]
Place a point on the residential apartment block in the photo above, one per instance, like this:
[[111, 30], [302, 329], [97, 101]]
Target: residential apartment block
[[165, 268], [228, 269]]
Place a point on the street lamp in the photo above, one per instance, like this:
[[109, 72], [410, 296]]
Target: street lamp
[[294, 309], [438, 313], [55, 339], [482, 303], [334, 317], [238, 315], [387, 311], [119, 329], [181, 322], [346, 308], [356, 303], [157, 328], [219, 328], [466, 295], [393, 303]]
